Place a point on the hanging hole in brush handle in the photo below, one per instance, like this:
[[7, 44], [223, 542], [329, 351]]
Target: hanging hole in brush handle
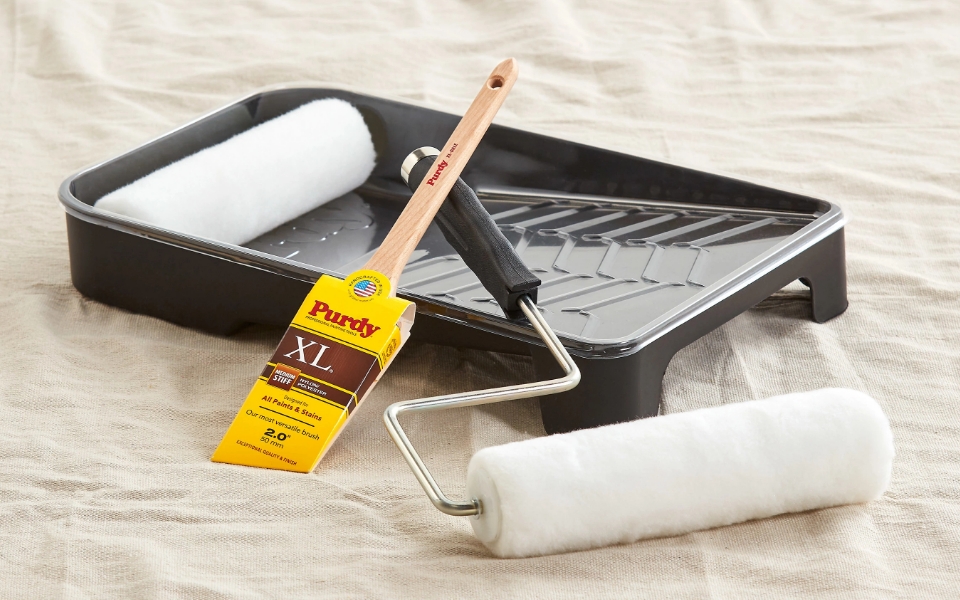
[[473, 233]]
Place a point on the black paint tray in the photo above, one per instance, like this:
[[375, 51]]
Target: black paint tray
[[638, 258]]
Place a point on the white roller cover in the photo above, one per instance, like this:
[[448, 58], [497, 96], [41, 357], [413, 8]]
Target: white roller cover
[[682, 472], [256, 180]]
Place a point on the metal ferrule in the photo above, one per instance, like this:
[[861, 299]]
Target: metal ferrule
[[513, 392], [414, 157]]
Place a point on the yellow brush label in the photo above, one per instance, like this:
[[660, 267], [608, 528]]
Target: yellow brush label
[[341, 340]]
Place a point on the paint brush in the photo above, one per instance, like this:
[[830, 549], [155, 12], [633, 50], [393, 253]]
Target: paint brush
[[347, 331]]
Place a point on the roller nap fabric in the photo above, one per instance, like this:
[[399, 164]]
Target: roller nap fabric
[[683, 472], [256, 180]]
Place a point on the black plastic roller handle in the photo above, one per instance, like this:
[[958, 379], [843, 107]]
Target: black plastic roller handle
[[471, 231]]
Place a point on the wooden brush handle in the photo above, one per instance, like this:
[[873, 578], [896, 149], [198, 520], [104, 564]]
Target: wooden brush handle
[[395, 251]]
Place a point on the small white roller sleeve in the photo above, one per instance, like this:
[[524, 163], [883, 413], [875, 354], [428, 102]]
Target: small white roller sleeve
[[682, 472], [258, 179]]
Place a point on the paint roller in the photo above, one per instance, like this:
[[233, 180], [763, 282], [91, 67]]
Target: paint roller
[[263, 177], [662, 476]]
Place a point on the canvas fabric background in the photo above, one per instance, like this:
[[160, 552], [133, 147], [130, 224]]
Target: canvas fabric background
[[108, 419]]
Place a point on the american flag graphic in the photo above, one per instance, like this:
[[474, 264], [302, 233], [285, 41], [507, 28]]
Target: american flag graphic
[[365, 288]]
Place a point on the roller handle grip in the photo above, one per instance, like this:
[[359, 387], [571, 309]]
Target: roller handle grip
[[471, 231]]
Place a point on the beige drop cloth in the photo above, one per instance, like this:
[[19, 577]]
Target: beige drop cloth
[[107, 419]]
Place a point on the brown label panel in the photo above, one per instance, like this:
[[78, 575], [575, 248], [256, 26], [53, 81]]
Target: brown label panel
[[327, 360]]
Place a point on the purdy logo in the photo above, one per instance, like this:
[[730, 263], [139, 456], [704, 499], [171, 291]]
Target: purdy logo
[[436, 174], [362, 326]]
